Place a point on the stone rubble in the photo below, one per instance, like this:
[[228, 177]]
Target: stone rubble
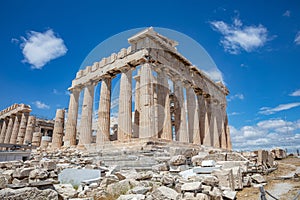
[[198, 176]]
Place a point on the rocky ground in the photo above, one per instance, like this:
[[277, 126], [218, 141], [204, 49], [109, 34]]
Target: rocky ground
[[151, 171], [281, 183]]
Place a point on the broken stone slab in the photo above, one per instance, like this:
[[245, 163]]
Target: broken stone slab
[[3, 182], [229, 194], [140, 190], [178, 168], [187, 173], [121, 187], [197, 159], [8, 175], [22, 172], [65, 191], [208, 163], [38, 174], [230, 164], [191, 187], [192, 196], [28, 193], [247, 181], [257, 178], [144, 175], [178, 160], [132, 197], [210, 180], [91, 181], [76, 176], [225, 177], [160, 167], [205, 170], [48, 164], [164, 193]]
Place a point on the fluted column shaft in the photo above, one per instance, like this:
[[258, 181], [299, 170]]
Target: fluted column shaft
[[193, 116], [3, 130], [147, 118], [58, 130], [103, 131], [206, 121], [22, 129], [85, 136], [71, 125], [222, 126], [125, 101], [29, 130], [182, 131], [164, 113], [214, 124], [137, 109], [14, 135], [9, 129]]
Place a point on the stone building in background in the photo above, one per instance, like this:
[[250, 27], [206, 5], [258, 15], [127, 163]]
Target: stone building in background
[[17, 126]]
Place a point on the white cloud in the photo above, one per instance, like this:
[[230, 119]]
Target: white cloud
[[287, 13], [237, 37], [236, 96], [267, 134], [281, 107], [40, 48], [297, 38], [296, 93], [41, 105]]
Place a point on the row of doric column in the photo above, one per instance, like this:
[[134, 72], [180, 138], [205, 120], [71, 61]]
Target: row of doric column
[[17, 129], [181, 115]]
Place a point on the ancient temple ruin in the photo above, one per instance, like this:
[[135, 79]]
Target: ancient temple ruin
[[191, 110], [17, 126]]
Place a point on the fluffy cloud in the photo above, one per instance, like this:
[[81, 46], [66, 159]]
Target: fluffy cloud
[[40, 48], [297, 38], [287, 13], [41, 105], [236, 96], [281, 107], [267, 134], [237, 37], [296, 93]]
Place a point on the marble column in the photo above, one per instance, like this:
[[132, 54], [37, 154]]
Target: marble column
[[206, 121], [9, 129], [147, 115], [181, 132], [214, 124], [36, 139], [164, 113], [58, 130], [85, 129], [125, 105], [103, 131], [222, 126], [29, 130], [3, 130], [22, 129], [71, 125], [193, 116], [137, 106], [14, 135], [229, 144]]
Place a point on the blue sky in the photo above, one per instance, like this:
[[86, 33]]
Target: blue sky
[[255, 44]]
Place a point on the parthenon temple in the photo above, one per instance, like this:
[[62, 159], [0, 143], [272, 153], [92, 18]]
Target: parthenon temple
[[174, 100]]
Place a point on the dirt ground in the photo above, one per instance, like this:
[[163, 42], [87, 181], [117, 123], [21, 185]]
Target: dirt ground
[[283, 189]]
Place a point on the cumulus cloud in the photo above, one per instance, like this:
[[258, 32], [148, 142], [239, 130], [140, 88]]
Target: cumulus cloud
[[40, 48], [41, 105], [237, 37], [236, 96], [287, 13], [281, 107], [296, 93], [267, 134], [297, 38]]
